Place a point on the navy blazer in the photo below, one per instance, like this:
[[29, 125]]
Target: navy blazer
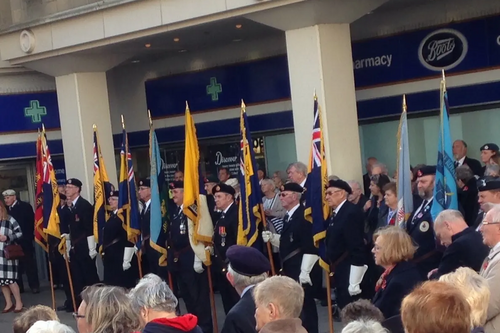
[[467, 249], [241, 318], [399, 283]]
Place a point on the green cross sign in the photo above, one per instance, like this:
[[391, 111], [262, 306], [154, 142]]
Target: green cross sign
[[35, 111], [214, 89]]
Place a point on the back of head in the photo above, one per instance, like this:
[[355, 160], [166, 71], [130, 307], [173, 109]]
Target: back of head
[[436, 307], [36, 313], [285, 293], [361, 310], [51, 326], [151, 292], [364, 326]]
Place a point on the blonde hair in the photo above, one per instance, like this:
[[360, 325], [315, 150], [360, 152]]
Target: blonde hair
[[475, 289], [397, 245], [109, 310], [285, 293], [4, 216], [36, 313], [436, 306]]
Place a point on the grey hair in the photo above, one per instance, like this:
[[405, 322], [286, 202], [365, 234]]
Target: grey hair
[[382, 167], [301, 167], [243, 281], [464, 173], [50, 326], [153, 293], [354, 182], [492, 170], [364, 326], [486, 207], [268, 182], [494, 212], [449, 215], [333, 177]]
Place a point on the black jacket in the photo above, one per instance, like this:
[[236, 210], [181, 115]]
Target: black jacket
[[400, 281], [80, 219], [467, 198], [225, 235], [366, 185], [467, 249], [23, 213], [241, 318], [474, 165]]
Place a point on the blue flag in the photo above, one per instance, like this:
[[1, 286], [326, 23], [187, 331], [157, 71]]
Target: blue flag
[[317, 210], [159, 197], [405, 194], [250, 208], [445, 187]]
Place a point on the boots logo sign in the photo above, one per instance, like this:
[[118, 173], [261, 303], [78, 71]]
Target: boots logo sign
[[442, 49]]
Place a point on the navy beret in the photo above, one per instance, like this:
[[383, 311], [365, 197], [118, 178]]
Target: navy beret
[[426, 170], [339, 183], [145, 182], [248, 261], [211, 179], [176, 184], [114, 194], [74, 182], [292, 187], [488, 184], [221, 187], [489, 146]]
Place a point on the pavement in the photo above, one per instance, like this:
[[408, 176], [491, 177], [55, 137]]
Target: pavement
[[44, 297]]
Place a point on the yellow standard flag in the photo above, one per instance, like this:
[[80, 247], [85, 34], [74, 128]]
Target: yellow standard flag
[[195, 205]]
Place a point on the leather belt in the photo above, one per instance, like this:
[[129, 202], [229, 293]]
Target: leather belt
[[337, 262], [181, 251], [76, 241], [291, 255], [114, 241]]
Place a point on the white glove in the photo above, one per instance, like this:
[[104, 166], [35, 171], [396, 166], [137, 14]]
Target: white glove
[[268, 236], [355, 278], [66, 236], [308, 261], [136, 249], [127, 257], [68, 248], [210, 249], [92, 247], [198, 265]]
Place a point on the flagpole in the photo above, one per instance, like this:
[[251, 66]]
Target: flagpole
[[70, 279], [329, 300]]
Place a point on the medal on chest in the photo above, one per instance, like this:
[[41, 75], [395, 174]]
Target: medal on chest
[[222, 234], [182, 227], [77, 218]]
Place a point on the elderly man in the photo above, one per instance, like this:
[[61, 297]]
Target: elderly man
[[247, 267], [278, 302], [467, 196], [345, 245], [22, 212], [490, 229], [297, 251], [420, 225], [297, 173], [489, 193], [464, 246], [460, 155], [357, 197]]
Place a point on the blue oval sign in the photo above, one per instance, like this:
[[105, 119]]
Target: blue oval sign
[[442, 49]]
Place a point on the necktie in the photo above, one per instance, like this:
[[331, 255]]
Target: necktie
[[286, 218], [222, 215], [456, 164]]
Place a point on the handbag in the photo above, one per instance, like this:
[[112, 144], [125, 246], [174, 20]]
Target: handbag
[[13, 252]]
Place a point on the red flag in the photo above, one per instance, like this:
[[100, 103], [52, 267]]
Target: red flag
[[40, 236]]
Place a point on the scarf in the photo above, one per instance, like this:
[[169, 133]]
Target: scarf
[[382, 282]]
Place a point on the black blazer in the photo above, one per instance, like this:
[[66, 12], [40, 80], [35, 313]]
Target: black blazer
[[145, 219], [225, 235], [241, 317], [366, 185], [346, 233], [23, 213], [81, 225], [474, 165], [467, 249], [399, 283], [467, 197]]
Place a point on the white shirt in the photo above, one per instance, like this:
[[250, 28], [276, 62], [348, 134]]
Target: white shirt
[[146, 205], [225, 210], [13, 204], [246, 289], [422, 205], [74, 201], [494, 250], [291, 211], [303, 182], [461, 161], [336, 210]]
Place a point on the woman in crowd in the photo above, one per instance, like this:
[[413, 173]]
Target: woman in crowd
[[279, 178], [394, 251], [489, 155], [388, 216], [106, 309], [156, 304], [23, 322], [476, 291], [9, 232]]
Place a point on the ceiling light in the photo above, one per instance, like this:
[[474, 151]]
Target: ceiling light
[[238, 26], [237, 40], [135, 61], [147, 45], [182, 51], [176, 39]]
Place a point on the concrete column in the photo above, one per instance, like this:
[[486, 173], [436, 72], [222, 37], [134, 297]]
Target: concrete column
[[320, 59], [83, 101]]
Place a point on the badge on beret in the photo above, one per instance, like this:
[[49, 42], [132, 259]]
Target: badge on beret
[[70, 181], [141, 183], [419, 173], [424, 226], [217, 188], [486, 147]]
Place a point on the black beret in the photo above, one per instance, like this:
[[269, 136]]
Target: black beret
[[426, 170], [339, 183], [221, 187], [74, 182], [176, 184], [145, 182], [211, 179], [292, 187], [114, 194], [489, 146], [248, 261], [488, 184]]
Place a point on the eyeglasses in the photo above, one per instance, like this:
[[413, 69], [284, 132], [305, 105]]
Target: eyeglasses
[[486, 222], [283, 194], [77, 316], [332, 192]]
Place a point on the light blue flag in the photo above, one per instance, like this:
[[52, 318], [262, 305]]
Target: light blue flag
[[445, 188], [405, 195]]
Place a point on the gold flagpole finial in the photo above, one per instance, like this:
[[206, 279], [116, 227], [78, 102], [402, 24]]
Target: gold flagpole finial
[[123, 121], [315, 96], [150, 120], [43, 128], [94, 126], [404, 103], [442, 72], [243, 106], [187, 105]]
